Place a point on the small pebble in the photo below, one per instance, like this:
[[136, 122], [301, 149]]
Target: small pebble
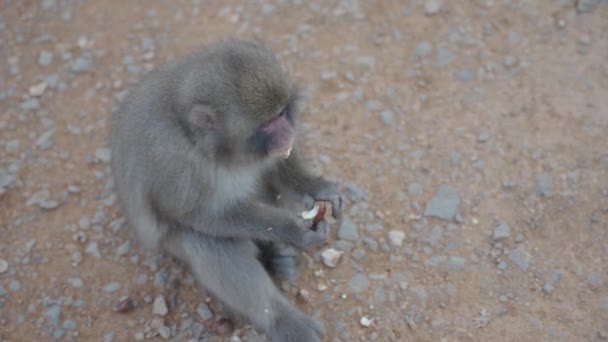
[[444, 205], [365, 322], [93, 249], [348, 230], [124, 304], [595, 280], [552, 281], [520, 257], [501, 232], [204, 312], [396, 237], [3, 266], [331, 257], [432, 7], [159, 307], [423, 49], [111, 287], [543, 185], [358, 283]]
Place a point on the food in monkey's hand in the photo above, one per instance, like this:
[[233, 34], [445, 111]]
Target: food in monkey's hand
[[317, 213]]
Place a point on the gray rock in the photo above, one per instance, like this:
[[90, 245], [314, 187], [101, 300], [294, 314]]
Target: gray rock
[[423, 49], [586, 6], [432, 7], [373, 106], [93, 249], [29, 105], [69, 324], [444, 56], [344, 246], [543, 185], [6, 179], [14, 285], [162, 277], [501, 232], [387, 117], [456, 263], [44, 140], [45, 58], [434, 236], [414, 189], [159, 307], [108, 337], [483, 136], [595, 280], [513, 37], [58, 334], [111, 287], [355, 193], [368, 61], [373, 227], [76, 282], [371, 244], [444, 205], [466, 75], [52, 312], [81, 65], [436, 260], [418, 292], [48, 4], [348, 230], [552, 281], [520, 257], [358, 283], [358, 254], [12, 146], [204, 311], [124, 249]]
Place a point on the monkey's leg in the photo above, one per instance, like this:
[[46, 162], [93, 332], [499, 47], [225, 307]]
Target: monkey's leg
[[280, 260], [229, 269]]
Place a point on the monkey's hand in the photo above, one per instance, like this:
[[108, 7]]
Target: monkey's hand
[[314, 237], [325, 191]]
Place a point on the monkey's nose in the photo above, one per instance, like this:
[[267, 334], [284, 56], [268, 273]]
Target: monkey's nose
[[285, 154]]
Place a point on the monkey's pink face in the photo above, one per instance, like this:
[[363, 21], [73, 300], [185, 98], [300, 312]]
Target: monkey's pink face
[[278, 136]]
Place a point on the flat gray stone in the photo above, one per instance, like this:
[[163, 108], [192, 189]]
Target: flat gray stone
[[444, 205], [501, 232], [204, 312], [358, 283], [348, 230], [520, 257], [552, 281]]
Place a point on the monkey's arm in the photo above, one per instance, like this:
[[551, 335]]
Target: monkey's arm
[[292, 176]]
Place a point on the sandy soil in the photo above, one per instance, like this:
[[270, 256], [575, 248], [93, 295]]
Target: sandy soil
[[504, 103]]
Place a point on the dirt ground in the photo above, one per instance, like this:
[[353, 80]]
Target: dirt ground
[[501, 104]]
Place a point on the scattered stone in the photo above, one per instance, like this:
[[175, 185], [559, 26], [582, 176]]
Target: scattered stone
[[76, 282], [139, 336], [344, 246], [52, 312], [414, 189], [108, 337], [365, 322], [418, 292], [387, 117], [444, 205], [501, 232], [69, 324], [48, 4], [111, 287], [456, 263], [124, 248], [444, 56], [483, 136], [358, 254], [432, 7], [595, 280], [520, 257], [348, 230], [373, 227], [552, 281], [44, 140], [159, 307], [371, 244], [161, 278], [355, 193], [58, 334], [124, 304], [37, 89], [103, 154], [12, 146], [368, 61], [396, 237], [164, 332], [358, 283], [331, 257], [586, 6], [543, 185], [204, 312], [482, 319], [14, 285], [81, 65], [3, 266], [93, 249], [374, 105], [423, 49], [466, 75]]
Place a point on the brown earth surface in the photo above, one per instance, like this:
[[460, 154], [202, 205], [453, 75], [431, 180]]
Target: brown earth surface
[[503, 101]]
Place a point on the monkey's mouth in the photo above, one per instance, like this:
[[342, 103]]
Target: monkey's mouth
[[286, 152]]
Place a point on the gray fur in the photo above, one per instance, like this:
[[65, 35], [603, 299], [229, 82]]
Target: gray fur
[[195, 192]]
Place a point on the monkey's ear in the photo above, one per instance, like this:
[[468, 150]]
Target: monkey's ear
[[202, 116]]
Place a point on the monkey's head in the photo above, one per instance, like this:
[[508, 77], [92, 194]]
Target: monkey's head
[[241, 102]]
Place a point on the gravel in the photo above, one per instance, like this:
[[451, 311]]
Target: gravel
[[111, 287], [423, 49], [432, 7], [444, 205], [552, 281], [466, 75], [93, 249], [204, 312], [159, 307], [543, 185], [501, 232], [348, 230], [331, 257], [396, 237], [520, 257], [358, 283], [387, 117], [595, 280], [81, 65]]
